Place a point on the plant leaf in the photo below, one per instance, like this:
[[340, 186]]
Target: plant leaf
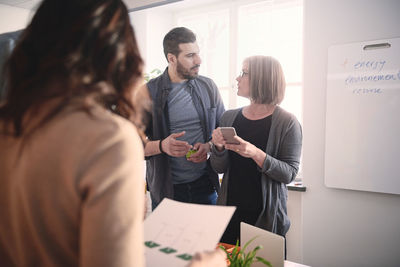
[[267, 263], [248, 242], [239, 258], [236, 253], [251, 254]]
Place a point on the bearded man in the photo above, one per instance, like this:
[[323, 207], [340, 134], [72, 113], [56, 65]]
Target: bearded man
[[186, 109]]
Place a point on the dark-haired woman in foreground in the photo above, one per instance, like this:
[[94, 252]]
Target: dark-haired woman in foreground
[[71, 156]]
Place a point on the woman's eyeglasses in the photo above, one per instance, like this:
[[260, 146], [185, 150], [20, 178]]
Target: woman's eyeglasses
[[243, 73]]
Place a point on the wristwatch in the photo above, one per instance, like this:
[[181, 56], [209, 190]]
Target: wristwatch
[[209, 151], [211, 145]]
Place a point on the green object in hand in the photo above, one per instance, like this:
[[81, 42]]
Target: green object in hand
[[190, 153]]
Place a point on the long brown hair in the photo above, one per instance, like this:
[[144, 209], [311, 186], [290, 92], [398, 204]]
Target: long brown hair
[[74, 48]]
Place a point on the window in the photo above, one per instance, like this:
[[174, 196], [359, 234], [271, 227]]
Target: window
[[229, 33]]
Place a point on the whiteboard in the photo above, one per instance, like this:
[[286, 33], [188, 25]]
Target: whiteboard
[[362, 145]]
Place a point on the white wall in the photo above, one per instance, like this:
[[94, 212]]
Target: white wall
[[139, 23], [13, 18], [151, 27], [343, 227], [294, 237]]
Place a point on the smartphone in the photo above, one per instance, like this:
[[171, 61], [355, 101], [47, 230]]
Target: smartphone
[[228, 133]]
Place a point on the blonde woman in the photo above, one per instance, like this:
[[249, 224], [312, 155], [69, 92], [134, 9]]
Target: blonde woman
[[267, 157]]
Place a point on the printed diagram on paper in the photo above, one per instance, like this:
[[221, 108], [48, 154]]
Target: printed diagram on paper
[[175, 231]]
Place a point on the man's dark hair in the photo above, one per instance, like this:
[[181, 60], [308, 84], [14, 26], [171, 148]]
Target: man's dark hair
[[176, 36]]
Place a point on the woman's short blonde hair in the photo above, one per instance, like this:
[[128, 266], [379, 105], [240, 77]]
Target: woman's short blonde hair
[[266, 79]]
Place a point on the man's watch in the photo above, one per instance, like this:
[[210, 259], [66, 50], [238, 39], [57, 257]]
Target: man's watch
[[209, 151], [211, 145]]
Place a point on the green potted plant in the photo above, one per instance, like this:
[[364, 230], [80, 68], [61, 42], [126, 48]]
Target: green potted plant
[[239, 258]]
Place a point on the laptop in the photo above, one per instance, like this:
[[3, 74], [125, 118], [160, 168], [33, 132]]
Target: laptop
[[273, 245]]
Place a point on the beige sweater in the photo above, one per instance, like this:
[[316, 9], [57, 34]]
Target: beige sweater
[[73, 195]]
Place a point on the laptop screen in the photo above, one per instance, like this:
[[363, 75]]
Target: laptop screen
[[273, 244]]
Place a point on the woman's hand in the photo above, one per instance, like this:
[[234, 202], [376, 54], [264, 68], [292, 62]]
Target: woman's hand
[[247, 150], [217, 139], [216, 258]]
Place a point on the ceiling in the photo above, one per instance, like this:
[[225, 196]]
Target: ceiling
[[133, 5]]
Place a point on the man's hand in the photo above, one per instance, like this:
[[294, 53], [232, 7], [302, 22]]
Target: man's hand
[[173, 147], [201, 154]]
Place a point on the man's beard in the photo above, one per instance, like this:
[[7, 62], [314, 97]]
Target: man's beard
[[185, 73]]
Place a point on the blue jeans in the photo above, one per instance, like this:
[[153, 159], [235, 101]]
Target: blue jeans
[[200, 191]]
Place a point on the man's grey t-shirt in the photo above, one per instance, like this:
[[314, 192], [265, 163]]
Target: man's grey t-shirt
[[184, 117]]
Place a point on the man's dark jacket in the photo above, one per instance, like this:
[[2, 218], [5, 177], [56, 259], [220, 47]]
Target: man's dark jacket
[[209, 106]]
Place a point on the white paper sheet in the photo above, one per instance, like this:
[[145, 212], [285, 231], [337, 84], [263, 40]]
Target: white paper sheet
[[175, 231]]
